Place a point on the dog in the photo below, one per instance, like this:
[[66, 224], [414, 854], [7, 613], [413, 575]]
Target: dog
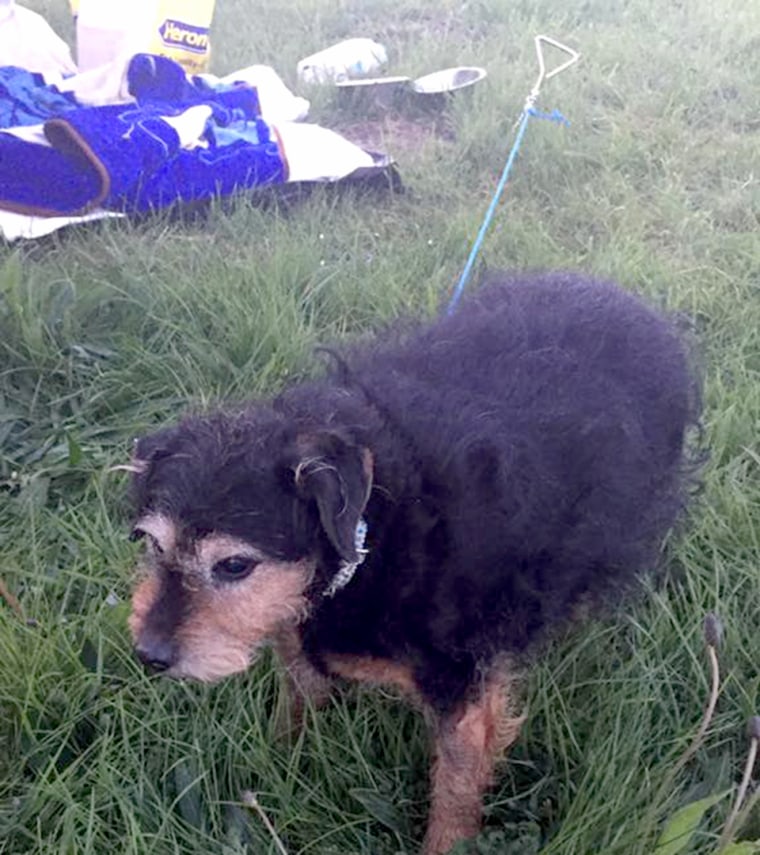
[[425, 513]]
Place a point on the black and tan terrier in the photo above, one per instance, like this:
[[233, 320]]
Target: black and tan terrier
[[423, 516]]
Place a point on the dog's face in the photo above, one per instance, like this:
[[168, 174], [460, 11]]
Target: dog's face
[[237, 513], [207, 602]]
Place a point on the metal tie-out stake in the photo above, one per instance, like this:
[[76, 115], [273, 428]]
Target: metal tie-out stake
[[540, 41]]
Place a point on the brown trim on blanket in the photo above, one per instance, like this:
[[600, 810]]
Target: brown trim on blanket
[[64, 137]]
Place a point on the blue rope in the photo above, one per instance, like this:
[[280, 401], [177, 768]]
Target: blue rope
[[554, 116]]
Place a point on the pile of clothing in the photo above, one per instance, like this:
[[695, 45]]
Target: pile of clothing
[[140, 134]]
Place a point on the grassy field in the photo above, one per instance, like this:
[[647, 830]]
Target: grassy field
[[108, 331]]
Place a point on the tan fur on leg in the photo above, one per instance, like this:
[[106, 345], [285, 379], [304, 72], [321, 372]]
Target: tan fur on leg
[[467, 745], [303, 685]]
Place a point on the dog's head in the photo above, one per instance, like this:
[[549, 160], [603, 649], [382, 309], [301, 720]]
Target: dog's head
[[239, 515]]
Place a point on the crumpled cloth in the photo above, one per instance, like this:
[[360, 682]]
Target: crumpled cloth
[[29, 42]]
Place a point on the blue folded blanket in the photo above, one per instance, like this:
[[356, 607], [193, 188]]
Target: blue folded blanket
[[129, 157]]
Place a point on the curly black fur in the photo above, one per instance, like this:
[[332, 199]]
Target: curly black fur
[[529, 451]]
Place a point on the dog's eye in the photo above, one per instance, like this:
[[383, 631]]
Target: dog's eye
[[234, 569], [140, 534]]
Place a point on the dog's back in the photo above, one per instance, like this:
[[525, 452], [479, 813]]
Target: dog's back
[[546, 421], [534, 350]]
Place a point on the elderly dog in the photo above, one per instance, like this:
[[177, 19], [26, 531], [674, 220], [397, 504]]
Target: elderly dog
[[422, 516]]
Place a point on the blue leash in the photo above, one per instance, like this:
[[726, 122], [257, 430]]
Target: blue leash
[[528, 111], [554, 116]]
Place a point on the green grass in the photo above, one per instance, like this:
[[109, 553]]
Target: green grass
[[109, 330]]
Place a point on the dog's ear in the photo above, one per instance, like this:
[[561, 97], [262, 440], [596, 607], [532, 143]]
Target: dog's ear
[[337, 475], [146, 451], [155, 445]]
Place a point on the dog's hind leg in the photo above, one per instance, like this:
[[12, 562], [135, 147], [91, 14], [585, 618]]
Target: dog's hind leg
[[303, 685], [467, 744]]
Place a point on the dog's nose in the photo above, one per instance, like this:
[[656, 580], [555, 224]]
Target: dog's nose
[[155, 653]]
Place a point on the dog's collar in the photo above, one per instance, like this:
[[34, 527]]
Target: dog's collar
[[347, 568]]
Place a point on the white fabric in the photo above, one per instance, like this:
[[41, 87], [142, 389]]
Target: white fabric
[[28, 41], [30, 133], [15, 226], [106, 84], [190, 125], [277, 102], [315, 153]]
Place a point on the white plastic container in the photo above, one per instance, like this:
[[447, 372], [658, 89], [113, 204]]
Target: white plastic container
[[105, 30], [346, 60]]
